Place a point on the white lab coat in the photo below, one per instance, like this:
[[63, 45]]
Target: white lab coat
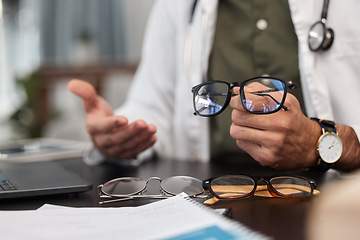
[[161, 91]]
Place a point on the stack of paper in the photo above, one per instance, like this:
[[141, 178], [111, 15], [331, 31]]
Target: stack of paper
[[177, 218]]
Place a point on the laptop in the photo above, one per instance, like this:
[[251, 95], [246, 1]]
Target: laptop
[[28, 179], [38, 149]]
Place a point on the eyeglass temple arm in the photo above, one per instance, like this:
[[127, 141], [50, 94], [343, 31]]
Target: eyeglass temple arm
[[200, 195], [213, 94], [134, 197], [259, 93], [258, 192], [291, 85], [115, 200]]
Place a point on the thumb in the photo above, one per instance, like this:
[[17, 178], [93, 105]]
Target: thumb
[[85, 91]]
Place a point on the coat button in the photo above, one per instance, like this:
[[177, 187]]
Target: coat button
[[261, 24]]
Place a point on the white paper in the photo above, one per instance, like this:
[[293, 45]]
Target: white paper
[[164, 219]]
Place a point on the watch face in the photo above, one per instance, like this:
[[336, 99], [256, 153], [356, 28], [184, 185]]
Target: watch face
[[330, 147]]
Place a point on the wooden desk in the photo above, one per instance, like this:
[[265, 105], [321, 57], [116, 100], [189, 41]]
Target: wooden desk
[[275, 217]]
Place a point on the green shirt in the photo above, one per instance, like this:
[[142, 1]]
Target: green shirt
[[252, 38]]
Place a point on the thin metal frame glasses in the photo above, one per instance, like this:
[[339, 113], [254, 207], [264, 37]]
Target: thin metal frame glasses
[[127, 188], [260, 95]]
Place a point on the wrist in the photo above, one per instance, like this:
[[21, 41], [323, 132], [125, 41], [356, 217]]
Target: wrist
[[349, 160], [315, 131], [329, 146]]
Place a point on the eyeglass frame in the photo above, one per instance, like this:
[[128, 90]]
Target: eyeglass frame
[[206, 184], [288, 85], [165, 193]]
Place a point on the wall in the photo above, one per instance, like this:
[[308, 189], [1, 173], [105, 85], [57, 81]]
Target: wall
[[55, 48]]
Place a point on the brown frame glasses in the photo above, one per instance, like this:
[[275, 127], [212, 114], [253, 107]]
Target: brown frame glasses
[[232, 187]]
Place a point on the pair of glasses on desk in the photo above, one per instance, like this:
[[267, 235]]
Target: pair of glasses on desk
[[127, 188], [229, 187]]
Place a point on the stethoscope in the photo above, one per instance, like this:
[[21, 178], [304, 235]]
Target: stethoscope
[[320, 37], [188, 44]]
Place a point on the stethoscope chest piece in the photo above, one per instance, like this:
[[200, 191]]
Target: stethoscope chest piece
[[320, 37]]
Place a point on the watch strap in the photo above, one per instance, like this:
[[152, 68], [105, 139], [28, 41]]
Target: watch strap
[[321, 166], [326, 126]]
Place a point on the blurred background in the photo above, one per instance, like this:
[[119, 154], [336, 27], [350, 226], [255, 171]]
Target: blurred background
[[45, 43]]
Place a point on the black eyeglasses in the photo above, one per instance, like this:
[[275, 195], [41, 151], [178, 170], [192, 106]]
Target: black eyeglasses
[[244, 186], [260, 95], [126, 188]]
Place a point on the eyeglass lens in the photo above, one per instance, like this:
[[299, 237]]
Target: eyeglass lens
[[211, 98], [232, 187], [258, 95], [291, 186], [121, 187], [124, 186], [178, 184], [263, 95]]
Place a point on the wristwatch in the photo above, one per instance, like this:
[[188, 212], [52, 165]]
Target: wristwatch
[[329, 146]]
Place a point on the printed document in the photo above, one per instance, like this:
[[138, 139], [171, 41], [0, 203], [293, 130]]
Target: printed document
[[175, 218]]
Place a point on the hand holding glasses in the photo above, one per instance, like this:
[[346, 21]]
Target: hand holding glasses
[[260, 95]]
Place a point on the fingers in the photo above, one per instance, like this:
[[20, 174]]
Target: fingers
[[112, 135], [275, 121], [126, 141], [255, 136], [82, 89], [131, 151], [94, 105], [103, 125], [263, 155], [279, 140], [235, 101], [246, 119]]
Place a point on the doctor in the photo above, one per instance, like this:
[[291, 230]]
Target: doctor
[[181, 49]]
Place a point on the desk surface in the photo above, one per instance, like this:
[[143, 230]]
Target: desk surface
[[275, 217]]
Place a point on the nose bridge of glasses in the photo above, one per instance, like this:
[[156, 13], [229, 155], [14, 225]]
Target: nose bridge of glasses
[[261, 181], [151, 186], [153, 178], [266, 184], [232, 90], [270, 187], [235, 84]]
